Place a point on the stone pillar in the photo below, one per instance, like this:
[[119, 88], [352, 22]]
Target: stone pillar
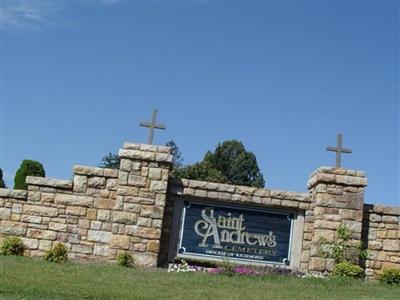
[[337, 197], [141, 194]]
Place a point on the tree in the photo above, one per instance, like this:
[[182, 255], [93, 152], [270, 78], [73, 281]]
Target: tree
[[110, 161], [2, 184], [229, 163], [176, 153], [27, 168]]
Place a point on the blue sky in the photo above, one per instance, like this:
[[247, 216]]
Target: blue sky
[[284, 78]]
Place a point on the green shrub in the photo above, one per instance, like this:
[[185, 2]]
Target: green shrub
[[342, 249], [125, 259], [27, 168], [57, 254], [348, 269], [390, 276], [2, 184], [12, 245]]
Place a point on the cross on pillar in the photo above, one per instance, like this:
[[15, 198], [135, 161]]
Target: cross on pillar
[[339, 150], [152, 125]]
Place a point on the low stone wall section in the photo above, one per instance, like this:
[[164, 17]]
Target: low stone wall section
[[381, 235], [100, 212]]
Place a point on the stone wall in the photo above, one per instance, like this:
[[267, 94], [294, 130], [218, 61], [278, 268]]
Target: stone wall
[[98, 213], [381, 234], [136, 208], [337, 196]]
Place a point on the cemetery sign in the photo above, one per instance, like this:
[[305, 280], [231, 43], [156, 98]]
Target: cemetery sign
[[236, 233]]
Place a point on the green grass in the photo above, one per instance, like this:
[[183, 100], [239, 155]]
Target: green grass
[[25, 278]]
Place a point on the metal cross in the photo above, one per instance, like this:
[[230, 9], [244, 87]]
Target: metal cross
[[339, 150], [153, 125]]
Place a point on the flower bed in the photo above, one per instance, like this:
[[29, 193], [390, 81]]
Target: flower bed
[[228, 269]]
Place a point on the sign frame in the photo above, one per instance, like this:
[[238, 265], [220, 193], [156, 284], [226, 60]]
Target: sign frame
[[208, 257]]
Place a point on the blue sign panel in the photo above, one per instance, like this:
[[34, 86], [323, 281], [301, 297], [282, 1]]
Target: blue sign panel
[[235, 233]]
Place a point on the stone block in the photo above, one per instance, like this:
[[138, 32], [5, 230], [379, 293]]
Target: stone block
[[50, 182], [47, 197], [44, 245], [200, 193], [111, 184], [80, 248], [80, 183], [353, 226], [393, 234], [323, 224], [5, 213], [212, 195], [145, 233], [15, 217], [157, 223], [390, 219], [153, 246], [96, 182], [103, 215], [91, 214], [317, 264], [127, 191], [99, 236], [289, 203], [158, 186], [31, 219], [12, 228], [375, 245], [149, 211], [96, 225], [351, 180], [100, 250], [17, 208], [136, 154], [30, 243], [226, 196], [329, 235], [58, 226], [123, 178], [334, 190], [62, 237], [107, 226], [75, 211], [104, 203], [144, 222], [391, 245], [112, 173], [146, 259], [84, 223], [125, 165], [375, 218], [132, 207], [40, 210], [84, 170], [154, 173], [16, 194], [120, 242], [164, 157], [124, 217], [41, 234], [69, 199], [160, 200], [37, 226]]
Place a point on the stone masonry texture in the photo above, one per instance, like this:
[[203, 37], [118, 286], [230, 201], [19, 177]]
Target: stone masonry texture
[[104, 211]]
